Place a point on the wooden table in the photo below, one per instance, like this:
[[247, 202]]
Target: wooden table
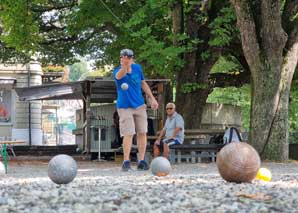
[[194, 133], [3, 150], [204, 131]]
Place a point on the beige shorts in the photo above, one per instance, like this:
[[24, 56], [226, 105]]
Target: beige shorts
[[132, 121]]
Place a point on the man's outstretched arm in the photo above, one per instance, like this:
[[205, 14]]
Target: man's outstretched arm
[[147, 90]]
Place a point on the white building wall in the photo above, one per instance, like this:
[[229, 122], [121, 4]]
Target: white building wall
[[18, 128]]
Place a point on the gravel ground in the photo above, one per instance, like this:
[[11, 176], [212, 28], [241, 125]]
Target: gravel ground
[[102, 187]]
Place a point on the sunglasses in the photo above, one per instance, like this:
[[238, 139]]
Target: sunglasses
[[130, 57], [169, 108]]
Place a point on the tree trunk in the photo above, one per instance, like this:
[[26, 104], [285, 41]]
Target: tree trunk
[[278, 148], [192, 108], [263, 41], [195, 71], [264, 94]]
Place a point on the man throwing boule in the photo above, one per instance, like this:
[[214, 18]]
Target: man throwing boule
[[131, 107]]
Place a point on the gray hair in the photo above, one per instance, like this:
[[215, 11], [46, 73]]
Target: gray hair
[[171, 104]]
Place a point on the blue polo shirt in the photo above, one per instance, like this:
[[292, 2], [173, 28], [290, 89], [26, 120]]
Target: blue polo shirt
[[132, 97], [171, 124]]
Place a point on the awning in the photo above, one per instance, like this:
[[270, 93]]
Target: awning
[[51, 91], [7, 82], [101, 90]]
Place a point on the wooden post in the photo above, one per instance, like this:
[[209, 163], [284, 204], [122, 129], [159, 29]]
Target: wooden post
[[84, 126], [161, 100], [88, 117]]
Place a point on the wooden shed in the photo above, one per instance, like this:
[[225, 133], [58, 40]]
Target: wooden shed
[[91, 92], [18, 119]]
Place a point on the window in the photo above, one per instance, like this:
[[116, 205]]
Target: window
[[102, 134], [5, 106]]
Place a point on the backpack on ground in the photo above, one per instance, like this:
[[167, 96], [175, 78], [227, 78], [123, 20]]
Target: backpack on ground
[[232, 135], [216, 139]]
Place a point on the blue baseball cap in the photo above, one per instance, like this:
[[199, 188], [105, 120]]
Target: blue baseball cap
[[126, 52]]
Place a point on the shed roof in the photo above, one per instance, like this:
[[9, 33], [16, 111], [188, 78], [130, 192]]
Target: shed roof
[[102, 90], [7, 82]]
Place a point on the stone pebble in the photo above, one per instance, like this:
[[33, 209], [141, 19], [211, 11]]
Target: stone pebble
[[188, 188]]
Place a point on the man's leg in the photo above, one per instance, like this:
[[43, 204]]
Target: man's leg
[[127, 141], [167, 145], [166, 150], [127, 130], [141, 142], [156, 151], [140, 118]]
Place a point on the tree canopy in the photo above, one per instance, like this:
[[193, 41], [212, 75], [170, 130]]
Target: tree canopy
[[56, 32]]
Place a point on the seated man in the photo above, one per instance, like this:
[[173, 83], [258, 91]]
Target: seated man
[[172, 132]]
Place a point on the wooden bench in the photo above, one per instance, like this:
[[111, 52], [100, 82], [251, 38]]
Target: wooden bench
[[195, 147], [194, 152]]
